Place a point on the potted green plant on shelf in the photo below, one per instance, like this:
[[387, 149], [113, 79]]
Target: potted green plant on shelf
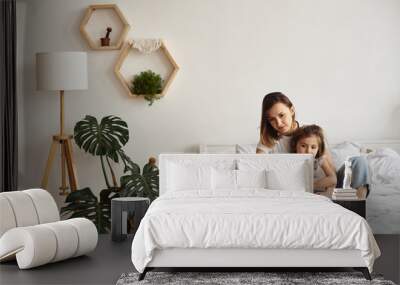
[[105, 140], [147, 84]]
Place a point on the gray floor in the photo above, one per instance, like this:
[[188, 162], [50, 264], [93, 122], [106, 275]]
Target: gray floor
[[102, 266], [109, 260]]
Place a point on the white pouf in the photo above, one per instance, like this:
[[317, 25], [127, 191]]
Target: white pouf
[[31, 232]]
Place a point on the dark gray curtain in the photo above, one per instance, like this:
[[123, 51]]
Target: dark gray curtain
[[8, 97]]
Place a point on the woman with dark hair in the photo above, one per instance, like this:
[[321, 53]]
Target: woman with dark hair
[[278, 122]]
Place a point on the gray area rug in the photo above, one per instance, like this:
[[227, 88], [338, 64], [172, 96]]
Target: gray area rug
[[229, 278]]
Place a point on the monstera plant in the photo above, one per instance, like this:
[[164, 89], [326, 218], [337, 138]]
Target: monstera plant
[[105, 140], [145, 184], [83, 203]]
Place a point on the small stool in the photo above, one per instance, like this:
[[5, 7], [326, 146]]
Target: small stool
[[126, 210]]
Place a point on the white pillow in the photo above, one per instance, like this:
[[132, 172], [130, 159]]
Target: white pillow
[[385, 152], [293, 181], [223, 179], [384, 166], [342, 151], [290, 181], [218, 149], [246, 148], [251, 179], [188, 177], [282, 174], [206, 161], [235, 179]]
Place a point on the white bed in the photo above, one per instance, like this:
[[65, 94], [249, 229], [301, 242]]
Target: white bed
[[247, 226]]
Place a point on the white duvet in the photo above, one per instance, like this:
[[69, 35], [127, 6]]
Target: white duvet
[[252, 218]]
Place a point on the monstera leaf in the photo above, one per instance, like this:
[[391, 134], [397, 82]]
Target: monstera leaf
[[129, 165], [84, 204], [101, 139], [145, 184]]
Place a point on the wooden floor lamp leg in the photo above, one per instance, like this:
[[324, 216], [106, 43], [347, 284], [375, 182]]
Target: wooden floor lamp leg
[[50, 159], [63, 188], [73, 182]]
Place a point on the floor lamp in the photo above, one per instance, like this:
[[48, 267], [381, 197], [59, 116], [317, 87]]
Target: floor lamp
[[61, 71]]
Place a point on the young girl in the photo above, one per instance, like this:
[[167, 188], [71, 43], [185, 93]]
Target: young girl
[[310, 139]]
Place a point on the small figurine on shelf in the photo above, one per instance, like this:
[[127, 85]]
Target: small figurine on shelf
[[347, 174], [106, 40]]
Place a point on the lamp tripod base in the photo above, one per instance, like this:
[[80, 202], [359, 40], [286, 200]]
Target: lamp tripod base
[[67, 164]]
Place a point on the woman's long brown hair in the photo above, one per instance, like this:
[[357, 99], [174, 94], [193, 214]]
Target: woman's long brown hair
[[268, 135]]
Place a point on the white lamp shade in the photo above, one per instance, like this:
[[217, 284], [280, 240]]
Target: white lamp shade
[[61, 71]]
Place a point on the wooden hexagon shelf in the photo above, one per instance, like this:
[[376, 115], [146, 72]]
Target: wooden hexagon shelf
[[90, 12], [125, 83]]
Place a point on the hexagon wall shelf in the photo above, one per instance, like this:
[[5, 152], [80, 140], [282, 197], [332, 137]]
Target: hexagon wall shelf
[[122, 57], [91, 12]]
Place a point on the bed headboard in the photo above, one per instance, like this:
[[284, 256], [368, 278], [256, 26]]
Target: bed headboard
[[235, 148], [275, 160], [376, 144]]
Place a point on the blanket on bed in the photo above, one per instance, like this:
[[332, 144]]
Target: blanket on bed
[[252, 218]]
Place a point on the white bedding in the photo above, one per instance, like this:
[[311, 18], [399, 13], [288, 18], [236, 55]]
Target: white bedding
[[383, 203], [251, 218], [384, 166], [383, 208]]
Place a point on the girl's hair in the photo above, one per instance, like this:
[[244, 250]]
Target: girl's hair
[[306, 132], [268, 135]]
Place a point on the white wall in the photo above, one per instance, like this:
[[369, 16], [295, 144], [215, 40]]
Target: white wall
[[337, 60]]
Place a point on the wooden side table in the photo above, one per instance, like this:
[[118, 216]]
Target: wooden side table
[[357, 205], [126, 210]]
